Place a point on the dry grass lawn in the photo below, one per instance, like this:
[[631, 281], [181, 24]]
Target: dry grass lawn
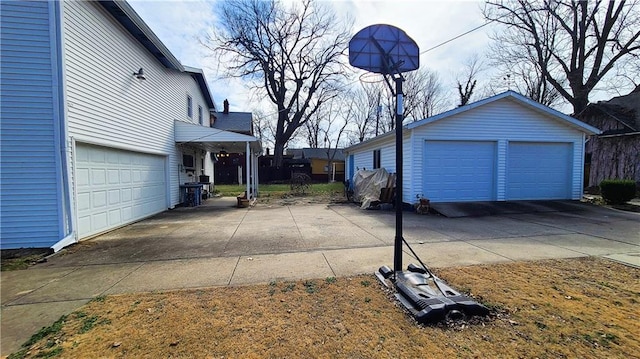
[[575, 308]]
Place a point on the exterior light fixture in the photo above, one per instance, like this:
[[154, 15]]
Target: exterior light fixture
[[140, 74]]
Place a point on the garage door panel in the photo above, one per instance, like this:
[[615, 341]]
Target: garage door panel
[[459, 170], [108, 195], [539, 171]]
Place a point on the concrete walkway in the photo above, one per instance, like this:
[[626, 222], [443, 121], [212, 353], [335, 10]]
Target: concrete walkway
[[219, 245]]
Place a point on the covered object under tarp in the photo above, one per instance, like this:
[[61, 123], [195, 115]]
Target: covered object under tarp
[[367, 185]]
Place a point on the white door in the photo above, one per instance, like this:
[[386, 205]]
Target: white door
[[538, 170], [116, 187], [457, 171]]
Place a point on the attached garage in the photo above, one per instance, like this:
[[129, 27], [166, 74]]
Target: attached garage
[[115, 187], [506, 147], [459, 170]]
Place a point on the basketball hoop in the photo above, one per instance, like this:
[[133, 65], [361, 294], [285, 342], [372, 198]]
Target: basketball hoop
[[371, 78], [385, 50]]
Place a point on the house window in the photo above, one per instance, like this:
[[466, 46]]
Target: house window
[[187, 162], [200, 118], [189, 107], [376, 159]]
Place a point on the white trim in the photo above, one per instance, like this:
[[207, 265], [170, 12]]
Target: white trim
[[106, 143], [247, 162], [74, 185]]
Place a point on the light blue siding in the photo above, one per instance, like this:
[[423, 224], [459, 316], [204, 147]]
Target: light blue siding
[[363, 160], [500, 121], [30, 193], [388, 158]]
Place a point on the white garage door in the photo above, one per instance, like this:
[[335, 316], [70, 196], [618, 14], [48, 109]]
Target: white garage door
[[458, 171], [116, 187], [539, 171]]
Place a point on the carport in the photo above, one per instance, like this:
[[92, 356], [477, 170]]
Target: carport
[[216, 141]]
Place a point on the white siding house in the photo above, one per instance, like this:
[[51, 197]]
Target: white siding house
[[505, 147], [85, 131]]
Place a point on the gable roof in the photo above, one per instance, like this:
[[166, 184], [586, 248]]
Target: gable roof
[[320, 153], [241, 122], [516, 97], [198, 75], [509, 95], [133, 23]]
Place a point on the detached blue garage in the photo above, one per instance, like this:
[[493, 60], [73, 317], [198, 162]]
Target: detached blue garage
[[506, 147]]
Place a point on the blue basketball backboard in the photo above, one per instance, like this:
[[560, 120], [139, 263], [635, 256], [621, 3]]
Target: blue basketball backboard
[[383, 49]]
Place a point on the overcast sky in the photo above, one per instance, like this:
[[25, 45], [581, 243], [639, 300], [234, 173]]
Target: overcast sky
[[179, 24]]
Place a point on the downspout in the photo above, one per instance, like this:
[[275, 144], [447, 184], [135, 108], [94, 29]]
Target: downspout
[[64, 172], [248, 170]]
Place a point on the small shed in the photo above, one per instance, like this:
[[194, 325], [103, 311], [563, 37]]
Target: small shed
[[505, 147]]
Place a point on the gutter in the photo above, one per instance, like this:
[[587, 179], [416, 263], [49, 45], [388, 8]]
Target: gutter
[[620, 135]]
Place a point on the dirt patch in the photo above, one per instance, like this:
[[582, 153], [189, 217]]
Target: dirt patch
[[584, 307], [293, 199], [23, 258]]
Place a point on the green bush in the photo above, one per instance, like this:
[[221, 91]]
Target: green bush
[[617, 191]]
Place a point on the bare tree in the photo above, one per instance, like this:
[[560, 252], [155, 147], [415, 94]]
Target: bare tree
[[424, 95], [312, 129], [263, 128], [295, 53], [334, 127], [364, 103], [467, 79], [574, 43]]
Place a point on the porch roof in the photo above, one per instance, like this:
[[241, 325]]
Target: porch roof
[[213, 139]]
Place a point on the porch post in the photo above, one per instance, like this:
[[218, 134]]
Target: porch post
[[255, 175], [247, 155]]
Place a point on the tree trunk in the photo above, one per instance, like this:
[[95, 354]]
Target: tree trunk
[[278, 153], [579, 102]]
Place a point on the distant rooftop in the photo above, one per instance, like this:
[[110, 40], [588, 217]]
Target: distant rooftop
[[316, 153], [240, 122]]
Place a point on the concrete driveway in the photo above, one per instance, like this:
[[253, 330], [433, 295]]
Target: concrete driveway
[[219, 245]]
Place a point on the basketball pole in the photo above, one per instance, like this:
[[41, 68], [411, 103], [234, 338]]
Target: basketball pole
[[397, 249]]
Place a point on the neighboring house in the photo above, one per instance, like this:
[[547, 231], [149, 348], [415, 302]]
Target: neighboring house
[[506, 147], [229, 165], [615, 153], [326, 164], [100, 123]]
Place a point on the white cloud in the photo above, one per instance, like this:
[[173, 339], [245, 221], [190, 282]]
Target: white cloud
[[179, 24]]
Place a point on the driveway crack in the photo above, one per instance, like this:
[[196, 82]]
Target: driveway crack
[[304, 244], [226, 245]]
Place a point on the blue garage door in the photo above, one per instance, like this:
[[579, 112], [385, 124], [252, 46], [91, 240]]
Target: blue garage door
[[539, 171], [457, 171]]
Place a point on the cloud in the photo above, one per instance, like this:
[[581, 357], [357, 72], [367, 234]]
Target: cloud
[[179, 25]]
